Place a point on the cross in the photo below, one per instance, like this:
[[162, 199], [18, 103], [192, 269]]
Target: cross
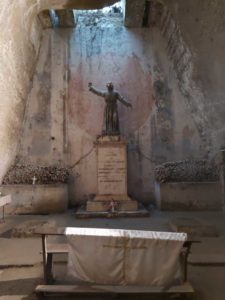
[[125, 248], [34, 179]]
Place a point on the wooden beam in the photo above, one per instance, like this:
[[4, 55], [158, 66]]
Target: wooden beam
[[207, 259], [133, 11], [107, 289], [66, 18], [57, 248]]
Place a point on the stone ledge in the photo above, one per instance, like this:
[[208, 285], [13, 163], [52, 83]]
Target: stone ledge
[[103, 206], [112, 198], [140, 213], [189, 196], [36, 199]]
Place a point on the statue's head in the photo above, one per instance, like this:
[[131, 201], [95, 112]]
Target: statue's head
[[110, 86]]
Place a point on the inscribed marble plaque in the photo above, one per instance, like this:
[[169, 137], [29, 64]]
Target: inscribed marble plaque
[[112, 170]]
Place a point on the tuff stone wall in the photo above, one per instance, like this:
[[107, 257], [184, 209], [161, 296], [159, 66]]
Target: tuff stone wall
[[176, 92], [19, 45], [194, 34], [63, 118]]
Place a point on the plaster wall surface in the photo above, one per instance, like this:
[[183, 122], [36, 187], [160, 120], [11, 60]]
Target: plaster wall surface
[[19, 45], [63, 118]]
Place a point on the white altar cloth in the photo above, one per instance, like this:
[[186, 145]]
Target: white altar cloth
[[123, 257]]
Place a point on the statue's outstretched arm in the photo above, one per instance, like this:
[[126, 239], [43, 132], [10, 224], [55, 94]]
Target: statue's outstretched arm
[[124, 102], [95, 91]]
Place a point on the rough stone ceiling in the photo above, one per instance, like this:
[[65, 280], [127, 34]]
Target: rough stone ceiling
[[74, 4]]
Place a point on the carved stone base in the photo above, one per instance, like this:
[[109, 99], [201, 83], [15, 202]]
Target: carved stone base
[[82, 213], [104, 205], [112, 198], [112, 195]]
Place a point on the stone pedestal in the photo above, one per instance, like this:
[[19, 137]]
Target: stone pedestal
[[112, 177]]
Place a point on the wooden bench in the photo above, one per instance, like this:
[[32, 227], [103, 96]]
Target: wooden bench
[[52, 249], [49, 249], [207, 260], [184, 289], [5, 200]]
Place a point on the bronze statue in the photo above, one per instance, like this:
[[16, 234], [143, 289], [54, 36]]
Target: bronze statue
[[111, 118]]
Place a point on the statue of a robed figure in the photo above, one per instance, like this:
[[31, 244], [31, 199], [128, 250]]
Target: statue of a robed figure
[[111, 118], [111, 151]]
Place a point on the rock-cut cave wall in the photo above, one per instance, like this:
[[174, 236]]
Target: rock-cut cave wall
[[19, 46], [170, 75], [63, 118], [194, 35]]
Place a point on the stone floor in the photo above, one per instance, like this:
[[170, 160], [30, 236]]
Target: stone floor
[[20, 258]]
